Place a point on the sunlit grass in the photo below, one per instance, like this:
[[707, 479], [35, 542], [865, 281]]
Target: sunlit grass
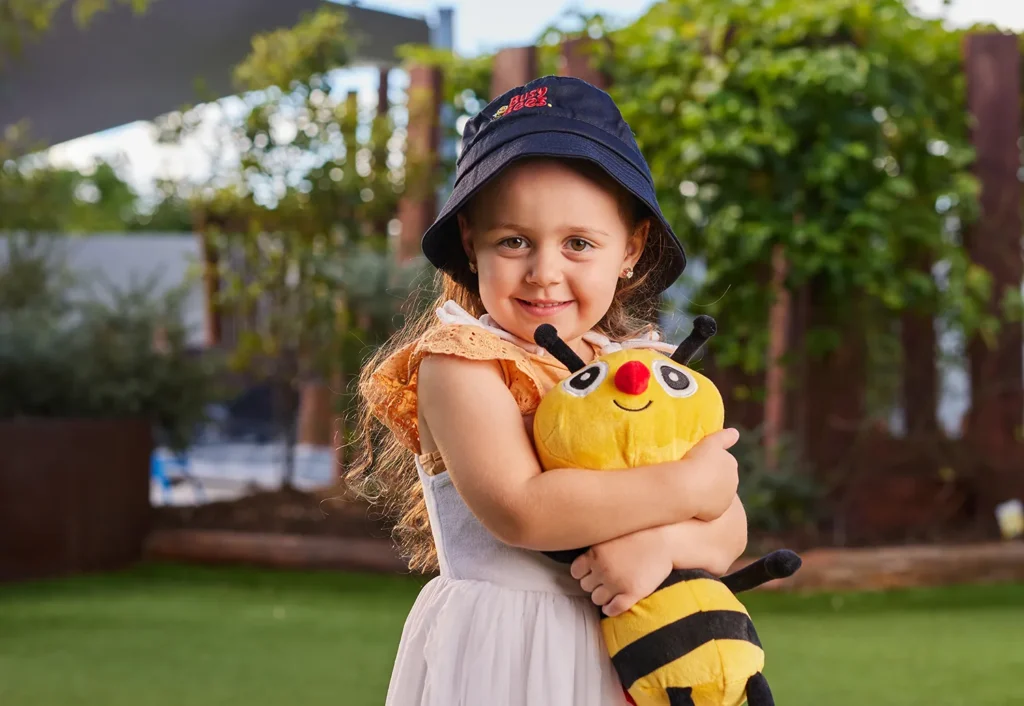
[[184, 636]]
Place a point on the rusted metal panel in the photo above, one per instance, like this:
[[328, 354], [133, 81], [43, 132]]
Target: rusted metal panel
[[994, 242], [577, 61], [74, 495], [513, 67], [418, 207]]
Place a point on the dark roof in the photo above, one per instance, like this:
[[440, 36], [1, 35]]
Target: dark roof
[[125, 67]]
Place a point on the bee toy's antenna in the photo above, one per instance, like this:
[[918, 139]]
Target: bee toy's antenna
[[547, 338], [704, 327]]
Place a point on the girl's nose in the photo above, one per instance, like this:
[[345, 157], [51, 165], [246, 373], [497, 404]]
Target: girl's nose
[[632, 377], [545, 269]]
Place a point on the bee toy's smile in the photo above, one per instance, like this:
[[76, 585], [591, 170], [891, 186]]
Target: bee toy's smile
[[630, 409]]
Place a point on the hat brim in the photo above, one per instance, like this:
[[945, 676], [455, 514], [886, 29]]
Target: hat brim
[[442, 244]]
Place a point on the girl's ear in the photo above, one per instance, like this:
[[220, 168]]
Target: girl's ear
[[636, 243], [466, 236]]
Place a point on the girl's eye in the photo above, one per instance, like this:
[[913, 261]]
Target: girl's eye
[[578, 244], [513, 243]]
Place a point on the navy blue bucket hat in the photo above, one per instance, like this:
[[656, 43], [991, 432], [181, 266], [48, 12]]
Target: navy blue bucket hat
[[553, 116]]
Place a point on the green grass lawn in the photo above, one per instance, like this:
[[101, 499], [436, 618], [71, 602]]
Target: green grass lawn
[[165, 635]]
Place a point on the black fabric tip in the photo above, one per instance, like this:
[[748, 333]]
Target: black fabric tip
[[779, 564], [704, 327], [783, 563], [547, 338]]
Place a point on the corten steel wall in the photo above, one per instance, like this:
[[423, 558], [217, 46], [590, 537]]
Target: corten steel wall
[[74, 495]]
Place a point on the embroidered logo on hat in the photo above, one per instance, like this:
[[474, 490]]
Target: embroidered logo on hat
[[537, 98]]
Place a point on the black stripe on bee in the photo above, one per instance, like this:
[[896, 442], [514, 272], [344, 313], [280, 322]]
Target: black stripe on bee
[[667, 644]]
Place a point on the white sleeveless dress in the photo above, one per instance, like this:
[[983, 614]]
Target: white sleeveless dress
[[500, 626]]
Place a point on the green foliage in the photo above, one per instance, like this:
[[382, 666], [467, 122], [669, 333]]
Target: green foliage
[[67, 350], [39, 196], [571, 24], [776, 499], [836, 128], [465, 78], [289, 56]]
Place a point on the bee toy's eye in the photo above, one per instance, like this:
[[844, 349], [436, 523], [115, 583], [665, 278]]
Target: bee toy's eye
[[674, 380], [587, 380]]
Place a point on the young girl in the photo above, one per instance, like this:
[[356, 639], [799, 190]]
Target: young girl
[[553, 219]]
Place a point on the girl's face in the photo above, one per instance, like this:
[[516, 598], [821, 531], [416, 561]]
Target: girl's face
[[549, 246]]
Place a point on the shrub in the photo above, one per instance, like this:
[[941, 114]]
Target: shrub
[[67, 352]]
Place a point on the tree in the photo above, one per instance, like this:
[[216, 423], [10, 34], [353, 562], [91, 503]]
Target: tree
[[39, 196], [290, 223], [837, 129], [828, 138]]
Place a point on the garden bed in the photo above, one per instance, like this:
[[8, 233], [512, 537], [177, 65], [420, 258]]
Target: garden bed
[[291, 529], [285, 511]]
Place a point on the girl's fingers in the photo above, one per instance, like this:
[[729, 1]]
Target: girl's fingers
[[589, 582], [618, 605], [601, 595]]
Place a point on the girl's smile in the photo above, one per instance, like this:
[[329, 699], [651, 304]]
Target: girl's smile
[[542, 308]]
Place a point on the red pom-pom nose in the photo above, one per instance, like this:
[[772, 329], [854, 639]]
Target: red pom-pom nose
[[632, 377]]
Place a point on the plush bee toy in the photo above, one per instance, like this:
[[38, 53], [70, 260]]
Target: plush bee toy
[[691, 642]]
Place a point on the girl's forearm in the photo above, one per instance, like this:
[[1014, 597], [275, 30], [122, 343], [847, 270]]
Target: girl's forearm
[[568, 508], [713, 546]]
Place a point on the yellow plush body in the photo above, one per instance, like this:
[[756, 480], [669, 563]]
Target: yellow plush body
[[691, 642]]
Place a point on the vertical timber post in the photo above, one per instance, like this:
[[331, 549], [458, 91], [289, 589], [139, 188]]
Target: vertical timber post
[[996, 417], [418, 207], [513, 67]]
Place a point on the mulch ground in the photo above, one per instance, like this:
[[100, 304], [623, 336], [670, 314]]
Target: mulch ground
[[299, 530], [286, 511]]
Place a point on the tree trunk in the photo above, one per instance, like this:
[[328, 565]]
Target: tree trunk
[[287, 412], [775, 378]]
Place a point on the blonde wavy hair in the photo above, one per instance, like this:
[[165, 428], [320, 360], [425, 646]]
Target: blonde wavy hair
[[383, 471]]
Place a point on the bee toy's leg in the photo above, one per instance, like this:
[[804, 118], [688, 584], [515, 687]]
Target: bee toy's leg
[[678, 696], [758, 693]]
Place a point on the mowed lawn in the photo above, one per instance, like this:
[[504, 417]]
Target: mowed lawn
[[186, 636]]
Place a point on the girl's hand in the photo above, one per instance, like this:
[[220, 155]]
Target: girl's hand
[[712, 474], [622, 571]]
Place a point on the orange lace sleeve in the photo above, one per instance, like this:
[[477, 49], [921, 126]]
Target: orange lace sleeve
[[391, 390]]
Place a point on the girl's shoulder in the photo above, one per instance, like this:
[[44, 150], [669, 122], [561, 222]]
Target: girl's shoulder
[[391, 390]]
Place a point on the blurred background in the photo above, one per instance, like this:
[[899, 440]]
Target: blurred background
[[210, 214]]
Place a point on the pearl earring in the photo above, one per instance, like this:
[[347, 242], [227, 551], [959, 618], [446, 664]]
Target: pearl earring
[[628, 274], [472, 267]]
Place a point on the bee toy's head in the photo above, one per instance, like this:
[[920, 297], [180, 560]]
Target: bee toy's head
[[629, 408]]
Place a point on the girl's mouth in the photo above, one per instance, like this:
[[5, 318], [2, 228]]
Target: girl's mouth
[[542, 308]]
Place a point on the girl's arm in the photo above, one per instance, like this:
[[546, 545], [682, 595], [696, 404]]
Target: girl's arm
[[619, 573], [466, 410], [713, 546]]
